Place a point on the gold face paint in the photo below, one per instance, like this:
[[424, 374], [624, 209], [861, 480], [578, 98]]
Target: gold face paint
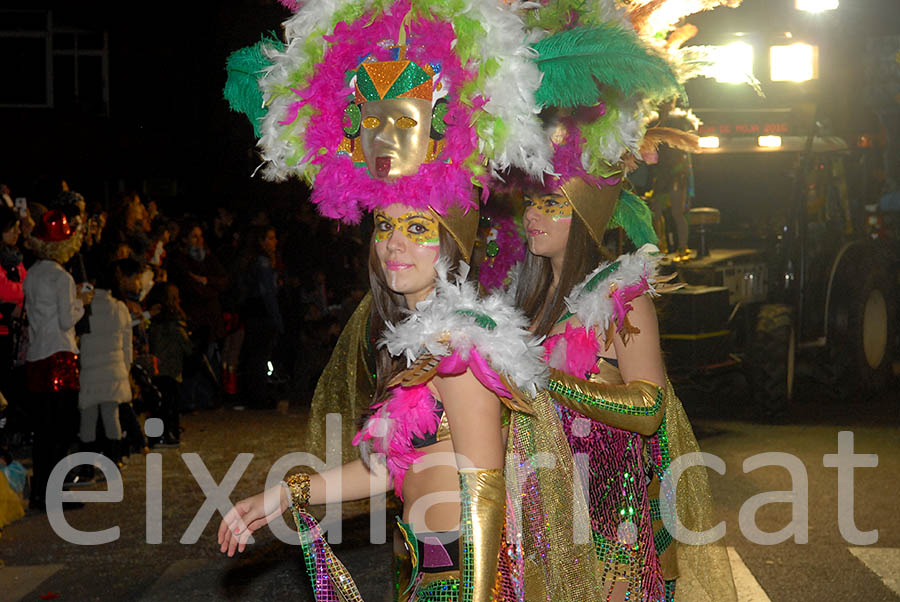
[[554, 206], [395, 135], [418, 226]]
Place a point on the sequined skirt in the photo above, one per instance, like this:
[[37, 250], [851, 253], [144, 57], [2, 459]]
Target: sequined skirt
[[53, 374], [426, 565]]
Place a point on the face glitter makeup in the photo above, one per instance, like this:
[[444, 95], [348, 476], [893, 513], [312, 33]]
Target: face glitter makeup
[[418, 226], [554, 206]]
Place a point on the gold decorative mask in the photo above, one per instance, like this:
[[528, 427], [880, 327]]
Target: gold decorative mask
[[395, 136]]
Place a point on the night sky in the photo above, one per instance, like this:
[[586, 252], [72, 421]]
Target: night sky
[[168, 122]]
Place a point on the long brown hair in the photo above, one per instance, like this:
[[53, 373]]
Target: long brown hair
[[388, 306], [581, 257]]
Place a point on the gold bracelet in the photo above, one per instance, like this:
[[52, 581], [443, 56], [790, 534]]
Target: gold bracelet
[[298, 490]]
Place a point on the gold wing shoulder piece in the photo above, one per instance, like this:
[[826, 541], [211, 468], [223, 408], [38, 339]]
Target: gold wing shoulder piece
[[423, 369], [518, 402], [664, 284]]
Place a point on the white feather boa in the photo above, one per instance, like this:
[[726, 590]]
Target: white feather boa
[[437, 327], [595, 308], [510, 89]]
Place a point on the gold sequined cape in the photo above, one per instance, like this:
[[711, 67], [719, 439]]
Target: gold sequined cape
[[346, 387], [550, 509], [705, 572]]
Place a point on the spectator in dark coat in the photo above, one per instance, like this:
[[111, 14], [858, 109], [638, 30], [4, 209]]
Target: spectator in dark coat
[[201, 279], [260, 313]]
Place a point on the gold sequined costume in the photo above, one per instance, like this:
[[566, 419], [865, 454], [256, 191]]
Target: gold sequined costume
[[345, 388]]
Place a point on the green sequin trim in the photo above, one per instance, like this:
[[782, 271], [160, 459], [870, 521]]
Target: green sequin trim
[[556, 386], [365, 85], [663, 436], [443, 590], [655, 512], [309, 553], [483, 320], [412, 76], [592, 284], [611, 551], [601, 276], [670, 590], [662, 540], [467, 554]]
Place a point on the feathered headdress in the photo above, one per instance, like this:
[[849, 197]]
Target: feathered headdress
[[471, 58], [606, 66]]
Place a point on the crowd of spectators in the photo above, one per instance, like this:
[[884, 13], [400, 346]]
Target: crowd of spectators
[[157, 314]]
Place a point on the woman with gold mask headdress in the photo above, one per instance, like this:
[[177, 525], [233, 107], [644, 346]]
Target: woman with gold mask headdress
[[594, 311], [405, 132]]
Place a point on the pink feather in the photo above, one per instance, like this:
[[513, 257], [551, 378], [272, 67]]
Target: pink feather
[[622, 300], [454, 364], [494, 270], [582, 349], [408, 412], [579, 351]]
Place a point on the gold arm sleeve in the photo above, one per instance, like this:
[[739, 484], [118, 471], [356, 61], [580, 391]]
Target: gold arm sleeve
[[482, 513], [637, 406]]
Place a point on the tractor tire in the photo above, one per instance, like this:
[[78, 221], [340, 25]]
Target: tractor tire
[[871, 322], [769, 363]]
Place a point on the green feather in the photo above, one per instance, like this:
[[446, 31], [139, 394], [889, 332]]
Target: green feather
[[635, 217], [574, 62], [242, 83]]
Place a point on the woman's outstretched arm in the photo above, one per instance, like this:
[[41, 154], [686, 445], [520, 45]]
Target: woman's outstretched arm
[[352, 481]]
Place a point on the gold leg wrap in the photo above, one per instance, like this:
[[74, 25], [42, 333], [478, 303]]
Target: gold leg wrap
[[482, 514]]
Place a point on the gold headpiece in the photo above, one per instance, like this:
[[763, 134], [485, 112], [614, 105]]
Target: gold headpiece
[[462, 226], [594, 205]]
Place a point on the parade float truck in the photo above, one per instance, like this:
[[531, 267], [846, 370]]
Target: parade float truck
[[786, 270]]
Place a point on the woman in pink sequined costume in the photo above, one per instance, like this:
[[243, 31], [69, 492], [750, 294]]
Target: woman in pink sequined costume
[[620, 415], [605, 67]]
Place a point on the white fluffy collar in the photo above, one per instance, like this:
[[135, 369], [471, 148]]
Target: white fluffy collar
[[455, 318], [591, 300]]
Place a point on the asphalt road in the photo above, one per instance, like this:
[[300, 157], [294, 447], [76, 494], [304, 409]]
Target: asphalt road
[[38, 564]]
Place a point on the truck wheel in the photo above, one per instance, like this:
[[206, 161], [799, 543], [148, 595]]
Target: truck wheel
[[770, 361], [870, 330]]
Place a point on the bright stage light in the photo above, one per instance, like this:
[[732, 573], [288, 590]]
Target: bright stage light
[[709, 142], [793, 63], [769, 141], [732, 63], [816, 6]]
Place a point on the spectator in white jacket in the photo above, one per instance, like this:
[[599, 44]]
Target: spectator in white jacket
[[106, 356], [53, 304]]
